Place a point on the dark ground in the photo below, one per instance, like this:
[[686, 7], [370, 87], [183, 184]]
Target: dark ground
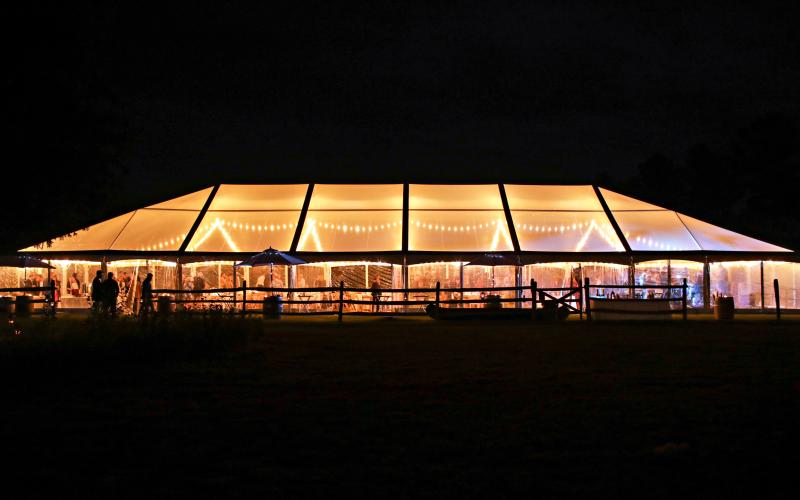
[[403, 407]]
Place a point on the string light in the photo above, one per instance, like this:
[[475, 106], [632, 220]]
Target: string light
[[222, 225], [166, 244], [651, 243], [586, 228]]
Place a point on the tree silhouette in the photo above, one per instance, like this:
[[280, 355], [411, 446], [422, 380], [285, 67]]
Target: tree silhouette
[[748, 185]]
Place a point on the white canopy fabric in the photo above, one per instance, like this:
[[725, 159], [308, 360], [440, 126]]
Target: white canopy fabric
[[353, 218]]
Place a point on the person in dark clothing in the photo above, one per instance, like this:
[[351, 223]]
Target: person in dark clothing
[[199, 282], [147, 295], [97, 292], [376, 295], [110, 295]]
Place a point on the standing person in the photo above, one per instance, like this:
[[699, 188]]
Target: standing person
[[77, 290], [110, 295], [74, 285], [199, 281], [97, 292], [56, 286], [376, 295], [147, 295]]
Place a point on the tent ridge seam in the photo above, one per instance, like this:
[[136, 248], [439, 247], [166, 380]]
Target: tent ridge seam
[[133, 214]]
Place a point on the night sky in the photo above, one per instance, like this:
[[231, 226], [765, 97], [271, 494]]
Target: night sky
[[163, 101]]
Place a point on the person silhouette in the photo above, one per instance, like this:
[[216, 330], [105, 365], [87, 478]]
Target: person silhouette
[[199, 281], [97, 292], [110, 295], [147, 295], [376, 295]]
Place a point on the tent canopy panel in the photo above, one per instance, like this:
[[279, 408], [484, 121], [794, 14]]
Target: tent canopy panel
[[259, 197], [711, 237], [191, 201], [454, 197], [655, 230], [357, 197], [530, 197], [244, 231], [352, 231], [465, 231], [151, 229], [97, 237], [617, 202], [565, 232]]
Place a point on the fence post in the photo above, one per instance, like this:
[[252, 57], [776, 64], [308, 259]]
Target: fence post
[[53, 298], [244, 297], [341, 299], [438, 286], [777, 299], [533, 296], [588, 301], [684, 303]]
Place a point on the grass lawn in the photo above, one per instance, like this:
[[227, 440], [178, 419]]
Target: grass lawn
[[402, 407]]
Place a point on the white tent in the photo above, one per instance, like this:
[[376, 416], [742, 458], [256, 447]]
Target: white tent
[[402, 219]]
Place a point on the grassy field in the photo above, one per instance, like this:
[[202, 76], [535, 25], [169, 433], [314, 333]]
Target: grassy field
[[402, 407]]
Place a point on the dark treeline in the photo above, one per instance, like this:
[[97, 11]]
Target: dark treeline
[[113, 108], [748, 184], [65, 138]]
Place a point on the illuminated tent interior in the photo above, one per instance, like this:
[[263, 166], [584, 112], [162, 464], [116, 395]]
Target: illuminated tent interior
[[418, 234]]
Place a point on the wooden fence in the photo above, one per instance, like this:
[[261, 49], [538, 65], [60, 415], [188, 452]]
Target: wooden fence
[[341, 300]]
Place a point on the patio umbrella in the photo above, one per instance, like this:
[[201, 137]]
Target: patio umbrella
[[270, 257], [494, 259], [23, 261]]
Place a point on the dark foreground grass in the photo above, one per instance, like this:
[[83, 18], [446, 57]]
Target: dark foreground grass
[[229, 407]]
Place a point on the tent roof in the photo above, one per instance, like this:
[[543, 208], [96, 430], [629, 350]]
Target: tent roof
[[403, 218]]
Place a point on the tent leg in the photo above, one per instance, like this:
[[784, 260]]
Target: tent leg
[[706, 285]]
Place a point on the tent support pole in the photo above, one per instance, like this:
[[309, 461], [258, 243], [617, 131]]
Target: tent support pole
[[706, 285], [631, 278], [762, 286], [178, 280], [235, 293], [461, 284], [405, 278]]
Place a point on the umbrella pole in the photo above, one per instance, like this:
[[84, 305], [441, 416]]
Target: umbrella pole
[[492, 276], [270, 277]]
